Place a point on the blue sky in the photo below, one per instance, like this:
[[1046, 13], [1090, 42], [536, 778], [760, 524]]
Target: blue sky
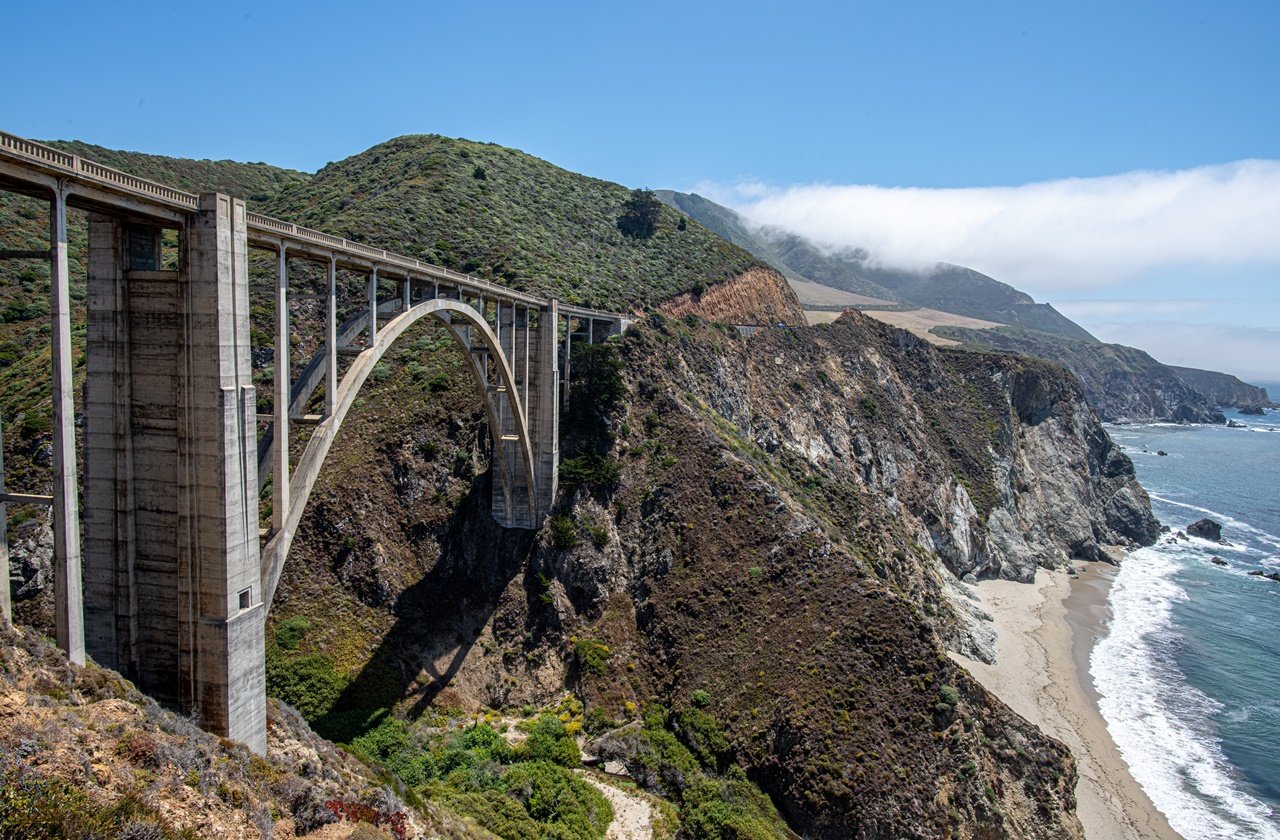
[[784, 97]]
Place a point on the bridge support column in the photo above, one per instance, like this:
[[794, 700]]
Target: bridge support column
[[68, 600], [544, 406], [518, 515], [173, 588]]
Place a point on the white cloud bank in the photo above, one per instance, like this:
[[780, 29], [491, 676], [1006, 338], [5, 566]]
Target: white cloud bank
[[1047, 238]]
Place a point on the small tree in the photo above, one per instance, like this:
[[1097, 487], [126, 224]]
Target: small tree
[[640, 214]]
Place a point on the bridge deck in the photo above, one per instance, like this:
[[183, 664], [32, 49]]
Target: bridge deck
[[264, 231]]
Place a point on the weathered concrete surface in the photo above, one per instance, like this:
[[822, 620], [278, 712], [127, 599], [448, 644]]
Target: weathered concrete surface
[[172, 573]]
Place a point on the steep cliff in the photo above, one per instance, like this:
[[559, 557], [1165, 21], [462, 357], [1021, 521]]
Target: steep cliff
[[1224, 389], [780, 542]]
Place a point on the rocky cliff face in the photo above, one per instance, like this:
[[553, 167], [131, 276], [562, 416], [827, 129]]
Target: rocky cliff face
[[757, 296], [792, 513], [783, 545]]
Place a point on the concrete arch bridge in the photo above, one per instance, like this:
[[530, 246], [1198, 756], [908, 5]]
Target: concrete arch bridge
[[176, 576]]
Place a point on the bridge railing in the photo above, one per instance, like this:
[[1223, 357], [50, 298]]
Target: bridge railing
[[64, 163]]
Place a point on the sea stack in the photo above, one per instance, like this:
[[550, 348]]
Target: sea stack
[[1206, 529]]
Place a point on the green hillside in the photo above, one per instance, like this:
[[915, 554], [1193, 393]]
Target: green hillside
[[256, 183], [510, 217]]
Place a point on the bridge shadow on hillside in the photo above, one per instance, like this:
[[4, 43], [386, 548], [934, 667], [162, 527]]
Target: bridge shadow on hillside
[[438, 619]]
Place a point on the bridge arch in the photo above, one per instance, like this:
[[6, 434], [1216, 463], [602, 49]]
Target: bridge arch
[[465, 334]]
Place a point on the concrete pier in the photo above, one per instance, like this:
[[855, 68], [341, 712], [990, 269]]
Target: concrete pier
[[173, 595]]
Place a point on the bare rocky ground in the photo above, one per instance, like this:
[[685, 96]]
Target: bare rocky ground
[[84, 754]]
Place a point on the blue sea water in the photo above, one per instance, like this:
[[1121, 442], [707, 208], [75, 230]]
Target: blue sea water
[[1189, 671]]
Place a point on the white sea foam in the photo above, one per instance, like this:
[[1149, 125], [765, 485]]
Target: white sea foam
[[1225, 519], [1162, 725]]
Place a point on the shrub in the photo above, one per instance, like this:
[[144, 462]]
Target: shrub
[[140, 749], [311, 684], [548, 741], [593, 654], [394, 745], [599, 536], [599, 472], [564, 533], [703, 735], [291, 632]]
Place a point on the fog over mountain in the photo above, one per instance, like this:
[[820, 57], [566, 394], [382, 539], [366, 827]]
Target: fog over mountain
[[1126, 255]]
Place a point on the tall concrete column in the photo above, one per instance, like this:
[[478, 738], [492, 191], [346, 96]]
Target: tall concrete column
[[283, 382], [544, 406], [6, 602], [568, 353], [524, 379], [372, 294], [68, 600], [116, 422], [507, 437], [331, 342], [221, 621], [173, 579]]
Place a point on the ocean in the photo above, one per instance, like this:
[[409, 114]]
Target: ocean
[[1188, 672]]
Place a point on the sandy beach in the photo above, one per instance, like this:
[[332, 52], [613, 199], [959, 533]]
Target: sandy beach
[[1045, 633]]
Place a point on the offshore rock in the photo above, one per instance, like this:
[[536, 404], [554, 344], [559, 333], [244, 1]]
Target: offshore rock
[[1206, 529]]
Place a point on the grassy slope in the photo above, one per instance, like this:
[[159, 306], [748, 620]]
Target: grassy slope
[[526, 223]]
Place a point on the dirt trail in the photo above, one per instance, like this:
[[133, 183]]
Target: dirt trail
[[632, 814]]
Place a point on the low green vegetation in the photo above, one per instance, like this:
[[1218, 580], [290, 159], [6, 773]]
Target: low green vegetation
[[686, 759], [512, 218], [564, 533], [518, 792], [593, 655], [291, 632]]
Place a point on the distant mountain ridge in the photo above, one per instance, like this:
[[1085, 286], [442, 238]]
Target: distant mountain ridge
[[950, 288], [1123, 384]]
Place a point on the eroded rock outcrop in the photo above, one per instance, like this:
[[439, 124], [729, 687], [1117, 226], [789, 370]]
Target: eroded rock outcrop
[[757, 296]]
